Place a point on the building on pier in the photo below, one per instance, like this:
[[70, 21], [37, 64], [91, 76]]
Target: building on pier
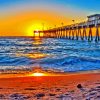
[[94, 17]]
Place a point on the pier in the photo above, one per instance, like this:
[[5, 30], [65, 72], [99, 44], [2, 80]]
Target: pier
[[78, 31]]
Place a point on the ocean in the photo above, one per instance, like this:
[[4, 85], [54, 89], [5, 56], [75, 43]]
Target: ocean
[[25, 53]]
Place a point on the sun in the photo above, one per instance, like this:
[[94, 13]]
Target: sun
[[37, 74], [37, 25]]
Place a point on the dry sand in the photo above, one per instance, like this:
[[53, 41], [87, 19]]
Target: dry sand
[[51, 87]]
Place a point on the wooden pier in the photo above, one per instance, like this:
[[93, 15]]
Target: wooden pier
[[79, 31]]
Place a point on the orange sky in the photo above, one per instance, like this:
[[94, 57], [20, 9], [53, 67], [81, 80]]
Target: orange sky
[[25, 23], [22, 19]]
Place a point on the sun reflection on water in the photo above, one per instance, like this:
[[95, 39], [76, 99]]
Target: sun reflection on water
[[34, 55], [37, 41]]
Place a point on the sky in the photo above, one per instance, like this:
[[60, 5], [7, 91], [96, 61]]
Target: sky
[[22, 17]]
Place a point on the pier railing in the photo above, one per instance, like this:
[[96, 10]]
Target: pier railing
[[83, 31]]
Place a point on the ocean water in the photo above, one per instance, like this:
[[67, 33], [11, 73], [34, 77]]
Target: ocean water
[[62, 54]]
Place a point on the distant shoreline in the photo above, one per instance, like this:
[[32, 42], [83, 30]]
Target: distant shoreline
[[26, 73]]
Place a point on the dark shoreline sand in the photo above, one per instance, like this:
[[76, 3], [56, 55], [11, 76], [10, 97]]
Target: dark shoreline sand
[[60, 87]]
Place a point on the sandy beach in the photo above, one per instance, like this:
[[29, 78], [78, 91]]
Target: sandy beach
[[83, 86]]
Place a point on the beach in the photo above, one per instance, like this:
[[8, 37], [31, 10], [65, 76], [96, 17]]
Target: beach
[[79, 86]]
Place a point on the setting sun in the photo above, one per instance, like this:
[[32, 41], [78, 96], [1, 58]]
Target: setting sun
[[38, 74], [36, 26]]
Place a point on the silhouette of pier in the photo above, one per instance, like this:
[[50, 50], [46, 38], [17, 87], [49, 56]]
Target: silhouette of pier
[[78, 31]]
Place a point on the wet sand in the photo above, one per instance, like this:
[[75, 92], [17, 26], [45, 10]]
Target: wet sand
[[85, 86]]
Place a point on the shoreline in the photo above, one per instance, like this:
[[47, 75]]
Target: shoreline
[[59, 87], [27, 74]]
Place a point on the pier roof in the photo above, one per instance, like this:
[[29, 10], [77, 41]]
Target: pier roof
[[93, 15]]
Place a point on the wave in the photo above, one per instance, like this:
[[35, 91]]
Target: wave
[[63, 54]]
